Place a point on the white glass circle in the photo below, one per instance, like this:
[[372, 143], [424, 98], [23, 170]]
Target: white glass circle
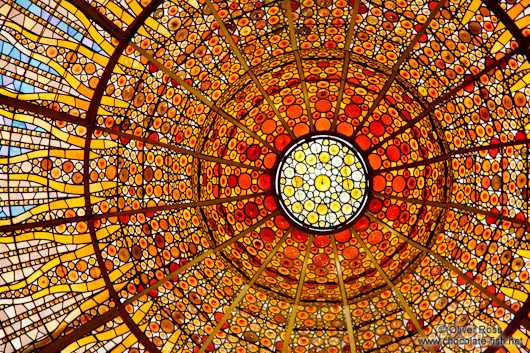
[[322, 183]]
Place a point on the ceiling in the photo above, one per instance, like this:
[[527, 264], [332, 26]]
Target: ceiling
[[139, 144]]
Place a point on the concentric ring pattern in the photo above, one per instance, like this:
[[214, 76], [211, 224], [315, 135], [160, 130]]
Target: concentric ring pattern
[[139, 141]]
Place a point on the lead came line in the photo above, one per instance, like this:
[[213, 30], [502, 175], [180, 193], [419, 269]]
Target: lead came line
[[181, 205]]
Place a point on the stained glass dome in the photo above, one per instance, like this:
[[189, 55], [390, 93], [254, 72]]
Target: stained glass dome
[[264, 176]]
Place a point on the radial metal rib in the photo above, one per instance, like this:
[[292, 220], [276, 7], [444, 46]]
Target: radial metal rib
[[299, 63], [202, 98], [179, 149], [396, 290], [179, 206], [463, 151], [242, 60], [510, 24], [96, 16], [43, 224], [345, 68], [200, 258], [445, 263], [40, 110], [344, 295], [296, 304], [521, 319], [397, 65], [457, 206], [243, 292], [442, 99]]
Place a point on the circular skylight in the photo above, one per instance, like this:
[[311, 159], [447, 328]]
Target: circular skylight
[[321, 183]]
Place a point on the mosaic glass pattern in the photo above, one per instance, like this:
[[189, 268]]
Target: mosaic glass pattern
[[138, 141]]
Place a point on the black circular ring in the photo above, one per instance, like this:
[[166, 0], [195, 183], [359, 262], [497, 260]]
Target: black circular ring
[[276, 181]]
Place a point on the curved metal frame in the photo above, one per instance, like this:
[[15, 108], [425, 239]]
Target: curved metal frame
[[367, 171]]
